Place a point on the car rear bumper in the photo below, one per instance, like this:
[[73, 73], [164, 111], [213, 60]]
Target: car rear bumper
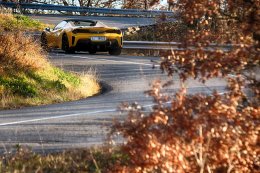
[[87, 45]]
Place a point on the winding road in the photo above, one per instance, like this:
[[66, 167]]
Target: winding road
[[86, 122]]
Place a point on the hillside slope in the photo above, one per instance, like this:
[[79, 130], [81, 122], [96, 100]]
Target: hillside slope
[[26, 75]]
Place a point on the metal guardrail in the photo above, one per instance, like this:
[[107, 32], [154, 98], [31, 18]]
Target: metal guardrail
[[156, 45], [153, 45], [149, 45], [90, 10]]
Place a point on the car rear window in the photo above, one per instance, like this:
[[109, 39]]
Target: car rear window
[[100, 24]]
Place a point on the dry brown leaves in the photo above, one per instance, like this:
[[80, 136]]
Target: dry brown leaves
[[203, 133]]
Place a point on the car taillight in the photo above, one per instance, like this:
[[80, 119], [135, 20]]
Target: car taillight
[[118, 31]]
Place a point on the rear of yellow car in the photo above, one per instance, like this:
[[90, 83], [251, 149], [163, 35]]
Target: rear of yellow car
[[94, 39]]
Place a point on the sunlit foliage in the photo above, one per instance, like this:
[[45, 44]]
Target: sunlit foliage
[[198, 132]]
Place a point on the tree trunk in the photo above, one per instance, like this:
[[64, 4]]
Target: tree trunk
[[145, 5], [89, 3]]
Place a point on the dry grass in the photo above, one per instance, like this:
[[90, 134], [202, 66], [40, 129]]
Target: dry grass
[[94, 160], [87, 81], [28, 78], [9, 22], [5, 10], [20, 53]]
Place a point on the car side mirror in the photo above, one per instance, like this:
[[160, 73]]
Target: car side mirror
[[48, 29]]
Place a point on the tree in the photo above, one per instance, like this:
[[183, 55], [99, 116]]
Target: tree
[[199, 132], [82, 3], [143, 4], [171, 4]]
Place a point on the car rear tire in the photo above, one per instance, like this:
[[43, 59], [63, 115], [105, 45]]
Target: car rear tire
[[116, 51], [65, 44]]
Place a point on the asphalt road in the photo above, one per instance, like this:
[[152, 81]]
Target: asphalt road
[[86, 122], [121, 22]]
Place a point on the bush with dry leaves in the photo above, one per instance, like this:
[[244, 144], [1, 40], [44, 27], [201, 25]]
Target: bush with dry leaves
[[203, 133]]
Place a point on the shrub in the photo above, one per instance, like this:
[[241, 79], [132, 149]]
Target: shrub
[[199, 132], [161, 31]]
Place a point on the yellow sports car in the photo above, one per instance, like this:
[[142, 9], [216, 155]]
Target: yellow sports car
[[83, 35]]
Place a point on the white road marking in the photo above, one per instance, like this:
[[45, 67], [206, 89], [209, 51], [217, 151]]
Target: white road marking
[[63, 116], [75, 115], [110, 60], [56, 117], [80, 114]]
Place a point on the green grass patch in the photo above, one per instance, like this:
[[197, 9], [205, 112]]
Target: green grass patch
[[50, 85], [18, 85], [66, 76]]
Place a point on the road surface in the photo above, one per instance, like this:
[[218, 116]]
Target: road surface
[[86, 122]]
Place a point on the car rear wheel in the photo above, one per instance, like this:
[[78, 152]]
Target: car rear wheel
[[65, 44], [116, 51]]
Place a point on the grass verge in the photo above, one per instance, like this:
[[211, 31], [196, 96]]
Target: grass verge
[[84, 160], [28, 78], [9, 22]]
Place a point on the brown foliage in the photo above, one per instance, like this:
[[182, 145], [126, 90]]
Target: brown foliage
[[214, 23], [203, 133], [161, 31], [196, 132], [143, 4], [20, 53]]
